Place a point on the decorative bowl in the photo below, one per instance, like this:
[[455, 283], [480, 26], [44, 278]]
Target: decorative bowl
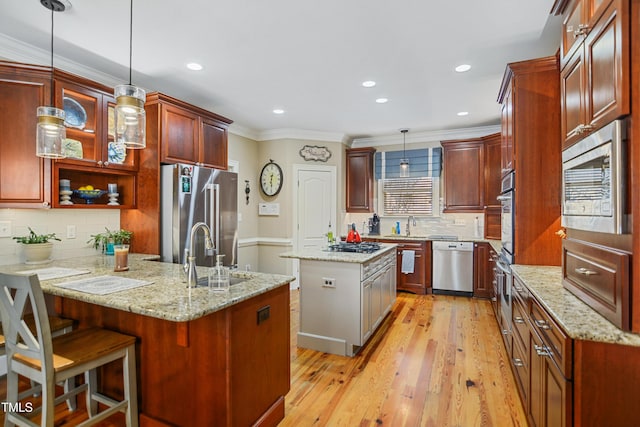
[[88, 195]]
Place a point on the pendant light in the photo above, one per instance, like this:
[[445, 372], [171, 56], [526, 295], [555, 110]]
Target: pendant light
[[130, 118], [50, 129], [404, 162]]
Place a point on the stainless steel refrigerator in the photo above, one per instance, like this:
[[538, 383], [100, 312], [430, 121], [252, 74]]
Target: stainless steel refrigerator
[[192, 194]]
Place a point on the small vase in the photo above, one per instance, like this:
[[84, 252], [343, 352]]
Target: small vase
[[109, 248], [37, 253]]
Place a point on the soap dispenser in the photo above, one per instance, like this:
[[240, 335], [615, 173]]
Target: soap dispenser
[[219, 276]]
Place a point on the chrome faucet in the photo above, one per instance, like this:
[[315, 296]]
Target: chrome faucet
[[410, 219], [189, 266]]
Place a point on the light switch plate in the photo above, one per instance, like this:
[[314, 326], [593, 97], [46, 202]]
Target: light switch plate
[[5, 228]]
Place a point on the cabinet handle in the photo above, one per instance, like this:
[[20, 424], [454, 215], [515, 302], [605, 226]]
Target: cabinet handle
[[582, 30], [106, 164], [518, 362], [542, 324], [518, 319], [99, 162], [45, 204], [585, 271], [505, 332], [541, 350]]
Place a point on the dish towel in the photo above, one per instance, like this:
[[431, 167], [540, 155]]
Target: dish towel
[[408, 261]]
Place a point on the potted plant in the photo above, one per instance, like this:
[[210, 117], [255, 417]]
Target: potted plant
[[37, 247], [106, 240]]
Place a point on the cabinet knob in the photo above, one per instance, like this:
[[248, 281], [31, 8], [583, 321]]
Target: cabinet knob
[[99, 162], [45, 204], [106, 164]]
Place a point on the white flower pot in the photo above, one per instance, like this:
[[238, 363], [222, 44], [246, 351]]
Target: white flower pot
[[37, 253]]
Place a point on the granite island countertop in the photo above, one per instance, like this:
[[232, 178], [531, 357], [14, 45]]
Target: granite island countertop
[[577, 319], [168, 297], [325, 254]]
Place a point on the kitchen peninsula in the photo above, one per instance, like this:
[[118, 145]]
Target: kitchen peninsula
[[344, 296], [203, 357]]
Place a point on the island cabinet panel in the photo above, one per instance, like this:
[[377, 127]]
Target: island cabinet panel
[[359, 180], [228, 368], [25, 180]]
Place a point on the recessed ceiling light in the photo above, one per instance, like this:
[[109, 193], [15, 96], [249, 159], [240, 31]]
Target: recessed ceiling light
[[381, 100], [278, 111], [462, 68], [463, 113], [369, 83], [194, 66]]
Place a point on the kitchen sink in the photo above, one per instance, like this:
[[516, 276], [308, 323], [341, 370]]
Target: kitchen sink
[[204, 281]]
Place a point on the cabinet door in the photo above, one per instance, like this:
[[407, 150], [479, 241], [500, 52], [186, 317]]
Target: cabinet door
[[83, 109], [365, 311], [377, 310], [573, 108], [607, 56], [482, 273], [463, 176], [213, 144], [180, 142], [415, 282], [492, 170], [573, 23], [115, 157], [359, 180], [25, 180], [506, 157]]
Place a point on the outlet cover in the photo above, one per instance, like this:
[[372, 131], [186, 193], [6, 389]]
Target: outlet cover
[[5, 228]]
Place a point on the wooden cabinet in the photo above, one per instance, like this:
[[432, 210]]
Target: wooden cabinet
[[492, 184], [418, 282], [483, 259], [359, 179], [464, 178], [506, 120], [25, 180], [532, 88], [188, 134], [595, 60]]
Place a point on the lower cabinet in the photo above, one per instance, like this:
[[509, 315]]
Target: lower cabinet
[[483, 264], [418, 282], [378, 296]]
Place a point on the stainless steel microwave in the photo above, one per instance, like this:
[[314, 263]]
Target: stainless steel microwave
[[594, 181]]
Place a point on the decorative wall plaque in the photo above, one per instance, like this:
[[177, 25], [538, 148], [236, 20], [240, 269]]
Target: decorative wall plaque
[[315, 153]]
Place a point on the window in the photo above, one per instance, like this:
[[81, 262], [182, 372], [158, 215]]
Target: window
[[408, 196]]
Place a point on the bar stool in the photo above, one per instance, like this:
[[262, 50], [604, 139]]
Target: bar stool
[[46, 361]]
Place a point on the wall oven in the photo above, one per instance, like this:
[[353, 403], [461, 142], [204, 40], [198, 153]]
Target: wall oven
[[594, 181], [506, 199]]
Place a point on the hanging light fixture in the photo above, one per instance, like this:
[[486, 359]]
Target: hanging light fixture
[[404, 162], [130, 118], [50, 129]]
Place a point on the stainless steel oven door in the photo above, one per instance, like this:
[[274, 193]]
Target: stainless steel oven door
[[505, 295], [506, 227]]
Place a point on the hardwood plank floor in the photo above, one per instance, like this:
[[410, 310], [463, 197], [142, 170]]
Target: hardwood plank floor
[[435, 361]]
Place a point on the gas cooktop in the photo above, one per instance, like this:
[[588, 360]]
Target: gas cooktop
[[364, 247]]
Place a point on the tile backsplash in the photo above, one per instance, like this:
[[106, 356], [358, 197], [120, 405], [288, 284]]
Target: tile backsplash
[[45, 221]]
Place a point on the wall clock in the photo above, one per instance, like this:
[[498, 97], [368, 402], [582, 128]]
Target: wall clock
[[271, 178]]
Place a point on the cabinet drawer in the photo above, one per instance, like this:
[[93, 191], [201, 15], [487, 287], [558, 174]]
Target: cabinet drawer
[[520, 365], [520, 322], [600, 277], [554, 339]]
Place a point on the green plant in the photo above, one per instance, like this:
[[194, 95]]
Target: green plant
[[34, 238], [116, 237]]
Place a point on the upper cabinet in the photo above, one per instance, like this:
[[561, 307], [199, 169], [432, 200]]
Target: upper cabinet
[[187, 134], [25, 180], [359, 178], [89, 111], [492, 183], [464, 180], [595, 63]]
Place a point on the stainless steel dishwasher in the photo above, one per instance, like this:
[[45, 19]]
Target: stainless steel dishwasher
[[453, 268]]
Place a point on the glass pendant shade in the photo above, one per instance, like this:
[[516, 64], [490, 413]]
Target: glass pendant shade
[[404, 168], [130, 117], [50, 133]]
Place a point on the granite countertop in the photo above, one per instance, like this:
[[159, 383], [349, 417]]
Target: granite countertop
[[422, 238], [327, 255], [576, 318], [168, 297]]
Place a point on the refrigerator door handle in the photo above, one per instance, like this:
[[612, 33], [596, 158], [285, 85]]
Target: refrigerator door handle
[[212, 215]]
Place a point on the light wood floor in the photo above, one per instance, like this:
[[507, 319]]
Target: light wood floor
[[435, 361]]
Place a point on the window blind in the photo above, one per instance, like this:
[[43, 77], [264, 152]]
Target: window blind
[[408, 196]]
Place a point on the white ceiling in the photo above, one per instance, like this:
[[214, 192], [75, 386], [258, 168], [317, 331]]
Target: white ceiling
[[306, 57]]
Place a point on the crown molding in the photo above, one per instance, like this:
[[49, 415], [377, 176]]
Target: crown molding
[[244, 131], [427, 136], [310, 135]]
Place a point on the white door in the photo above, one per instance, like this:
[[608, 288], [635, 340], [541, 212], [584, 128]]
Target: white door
[[315, 202]]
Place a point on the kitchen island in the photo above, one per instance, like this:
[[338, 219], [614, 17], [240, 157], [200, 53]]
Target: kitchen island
[[344, 297], [203, 357]]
